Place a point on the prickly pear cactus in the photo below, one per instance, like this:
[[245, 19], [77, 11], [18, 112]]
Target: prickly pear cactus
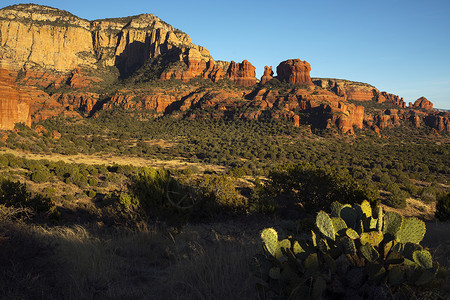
[[352, 234], [336, 209], [383, 251], [366, 209], [412, 231], [392, 222], [423, 258], [338, 224], [369, 253], [270, 239], [325, 225], [374, 238]]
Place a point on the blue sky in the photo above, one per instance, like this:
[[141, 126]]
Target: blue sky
[[402, 47]]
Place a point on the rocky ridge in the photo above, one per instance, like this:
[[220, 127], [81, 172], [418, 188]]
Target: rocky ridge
[[66, 65]]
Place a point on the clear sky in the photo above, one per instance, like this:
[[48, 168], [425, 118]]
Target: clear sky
[[399, 46]]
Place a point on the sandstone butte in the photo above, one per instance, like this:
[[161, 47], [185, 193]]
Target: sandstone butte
[[294, 71], [43, 48]]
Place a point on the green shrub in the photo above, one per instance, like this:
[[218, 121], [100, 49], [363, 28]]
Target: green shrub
[[93, 181], [91, 193], [443, 208], [15, 194], [218, 193], [149, 186], [396, 199], [315, 188], [41, 175], [428, 194]]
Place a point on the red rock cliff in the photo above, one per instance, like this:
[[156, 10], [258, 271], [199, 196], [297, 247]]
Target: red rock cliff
[[14, 102]]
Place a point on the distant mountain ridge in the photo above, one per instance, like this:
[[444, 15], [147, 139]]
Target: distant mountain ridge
[[55, 63]]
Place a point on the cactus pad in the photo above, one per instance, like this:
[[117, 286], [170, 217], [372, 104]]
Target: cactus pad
[[312, 262], [366, 209], [392, 222], [373, 238], [423, 258], [409, 249], [319, 287], [380, 218], [297, 248], [284, 244], [352, 234], [412, 231], [338, 224], [270, 239], [348, 245], [325, 225], [336, 209], [369, 252], [373, 223], [349, 215]]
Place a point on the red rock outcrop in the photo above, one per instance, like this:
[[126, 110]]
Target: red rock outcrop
[[79, 79], [439, 121], [294, 71], [268, 75], [242, 74], [196, 66], [80, 101], [391, 98], [14, 102], [423, 103], [348, 115]]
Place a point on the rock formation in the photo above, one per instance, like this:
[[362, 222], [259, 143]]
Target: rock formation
[[54, 63], [242, 74], [268, 75], [126, 43], [294, 71], [423, 103], [14, 102]]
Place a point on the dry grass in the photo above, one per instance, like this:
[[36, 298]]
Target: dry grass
[[415, 208], [109, 159], [199, 262]]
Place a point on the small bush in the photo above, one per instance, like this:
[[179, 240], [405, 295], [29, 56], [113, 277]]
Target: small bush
[[93, 182], [396, 199], [443, 208], [428, 194], [315, 188], [41, 175], [15, 194]]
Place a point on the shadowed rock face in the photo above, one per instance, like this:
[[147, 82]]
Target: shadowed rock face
[[294, 71]]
